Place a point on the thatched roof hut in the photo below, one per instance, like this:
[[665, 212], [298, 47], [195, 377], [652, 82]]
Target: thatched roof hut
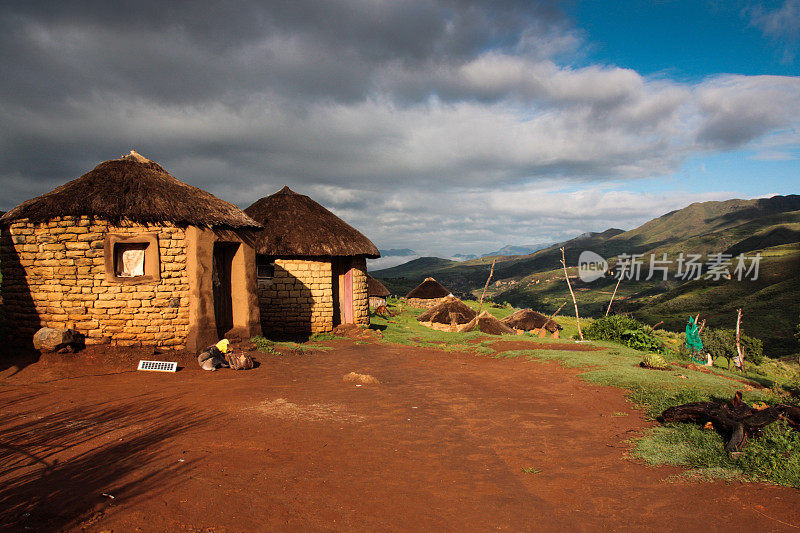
[[312, 271], [168, 264], [376, 289], [487, 323], [428, 290], [135, 189], [528, 319], [295, 225], [450, 310]]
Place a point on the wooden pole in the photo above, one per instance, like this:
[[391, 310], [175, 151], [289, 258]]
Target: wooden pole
[[657, 324], [491, 272], [554, 314], [702, 326], [738, 340], [574, 301], [622, 272]]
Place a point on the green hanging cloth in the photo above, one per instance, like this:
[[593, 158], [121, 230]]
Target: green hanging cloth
[[694, 344]]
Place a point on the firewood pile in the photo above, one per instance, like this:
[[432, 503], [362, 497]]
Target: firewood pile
[[735, 421]]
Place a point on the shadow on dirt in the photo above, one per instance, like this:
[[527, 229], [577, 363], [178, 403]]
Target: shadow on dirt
[[55, 469]]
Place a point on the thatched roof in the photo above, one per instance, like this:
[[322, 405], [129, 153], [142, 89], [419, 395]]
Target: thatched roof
[[428, 289], [451, 310], [296, 225], [136, 189], [376, 288], [487, 323], [528, 319]]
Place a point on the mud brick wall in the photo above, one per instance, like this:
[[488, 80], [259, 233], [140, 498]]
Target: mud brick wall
[[298, 299], [54, 275], [360, 296]]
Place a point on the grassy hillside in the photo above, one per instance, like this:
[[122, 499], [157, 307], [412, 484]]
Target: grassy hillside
[[735, 226]]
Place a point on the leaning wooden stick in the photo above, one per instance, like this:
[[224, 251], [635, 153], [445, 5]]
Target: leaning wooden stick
[[740, 356], [658, 324], [491, 272], [621, 273], [574, 301], [554, 314]]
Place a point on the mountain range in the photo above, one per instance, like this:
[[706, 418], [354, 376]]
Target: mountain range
[[771, 303]]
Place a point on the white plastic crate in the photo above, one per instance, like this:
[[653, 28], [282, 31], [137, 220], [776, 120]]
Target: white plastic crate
[[158, 366]]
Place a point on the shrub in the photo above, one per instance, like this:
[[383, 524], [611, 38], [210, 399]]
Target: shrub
[[624, 330], [721, 342], [653, 360]]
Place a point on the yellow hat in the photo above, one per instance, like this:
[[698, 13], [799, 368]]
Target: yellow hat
[[222, 345]]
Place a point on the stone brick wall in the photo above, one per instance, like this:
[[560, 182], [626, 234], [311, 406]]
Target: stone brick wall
[[424, 303], [54, 275], [298, 299]]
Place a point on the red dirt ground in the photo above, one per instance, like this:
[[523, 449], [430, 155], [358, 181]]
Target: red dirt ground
[[440, 444]]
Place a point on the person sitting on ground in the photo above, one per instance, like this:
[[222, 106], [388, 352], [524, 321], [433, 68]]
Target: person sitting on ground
[[213, 357]]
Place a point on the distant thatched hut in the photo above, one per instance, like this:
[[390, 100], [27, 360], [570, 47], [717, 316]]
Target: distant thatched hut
[[376, 291], [487, 323], [530, 320], [128, 255], [447, 315], [427, 294], [312, 273]]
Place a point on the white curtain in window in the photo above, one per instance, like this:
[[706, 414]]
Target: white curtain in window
[[132, 263]]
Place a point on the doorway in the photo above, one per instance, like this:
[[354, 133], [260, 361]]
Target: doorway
[[221, 283], [342, 291]]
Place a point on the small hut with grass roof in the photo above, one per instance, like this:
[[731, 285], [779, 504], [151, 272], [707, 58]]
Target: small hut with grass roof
[[487, 323], [129, 255], [448, 315], [427, 294], [312, 271], [530, 320], [376, 291]]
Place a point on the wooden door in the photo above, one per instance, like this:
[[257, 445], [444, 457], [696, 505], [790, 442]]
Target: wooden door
[[221, 282], [346, 299]]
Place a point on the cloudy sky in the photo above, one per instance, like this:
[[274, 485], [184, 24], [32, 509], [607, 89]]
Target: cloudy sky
[[443, 126]]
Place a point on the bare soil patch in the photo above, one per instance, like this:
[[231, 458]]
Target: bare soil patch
[[448, 441]]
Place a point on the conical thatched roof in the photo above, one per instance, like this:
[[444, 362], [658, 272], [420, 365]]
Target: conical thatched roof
[[297, 225], [528, 319], [487, 323], [451, 310], [376, 288], [136, 189], [428, 289]]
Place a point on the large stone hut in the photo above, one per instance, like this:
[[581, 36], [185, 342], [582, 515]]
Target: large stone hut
[[312, 273], [129, 255]]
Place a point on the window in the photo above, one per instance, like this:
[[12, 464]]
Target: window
[[265, 267], [129, 260], [132, 259]]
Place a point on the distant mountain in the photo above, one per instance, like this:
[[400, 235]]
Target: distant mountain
[[402, 252], [772, 305], [523, 249], [464, 257]]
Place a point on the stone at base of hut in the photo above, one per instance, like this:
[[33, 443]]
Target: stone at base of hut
[[362, 379], [57, 339]]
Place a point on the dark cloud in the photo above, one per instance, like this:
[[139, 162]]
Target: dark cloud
[[363, 104]]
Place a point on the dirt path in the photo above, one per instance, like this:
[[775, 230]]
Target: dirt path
[[440, 445]]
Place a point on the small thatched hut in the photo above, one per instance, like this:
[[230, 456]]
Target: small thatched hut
[[487, 323], [376, 291], [530, 320], [449, 311], [312, 272], [128, 255], [427, 294]]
